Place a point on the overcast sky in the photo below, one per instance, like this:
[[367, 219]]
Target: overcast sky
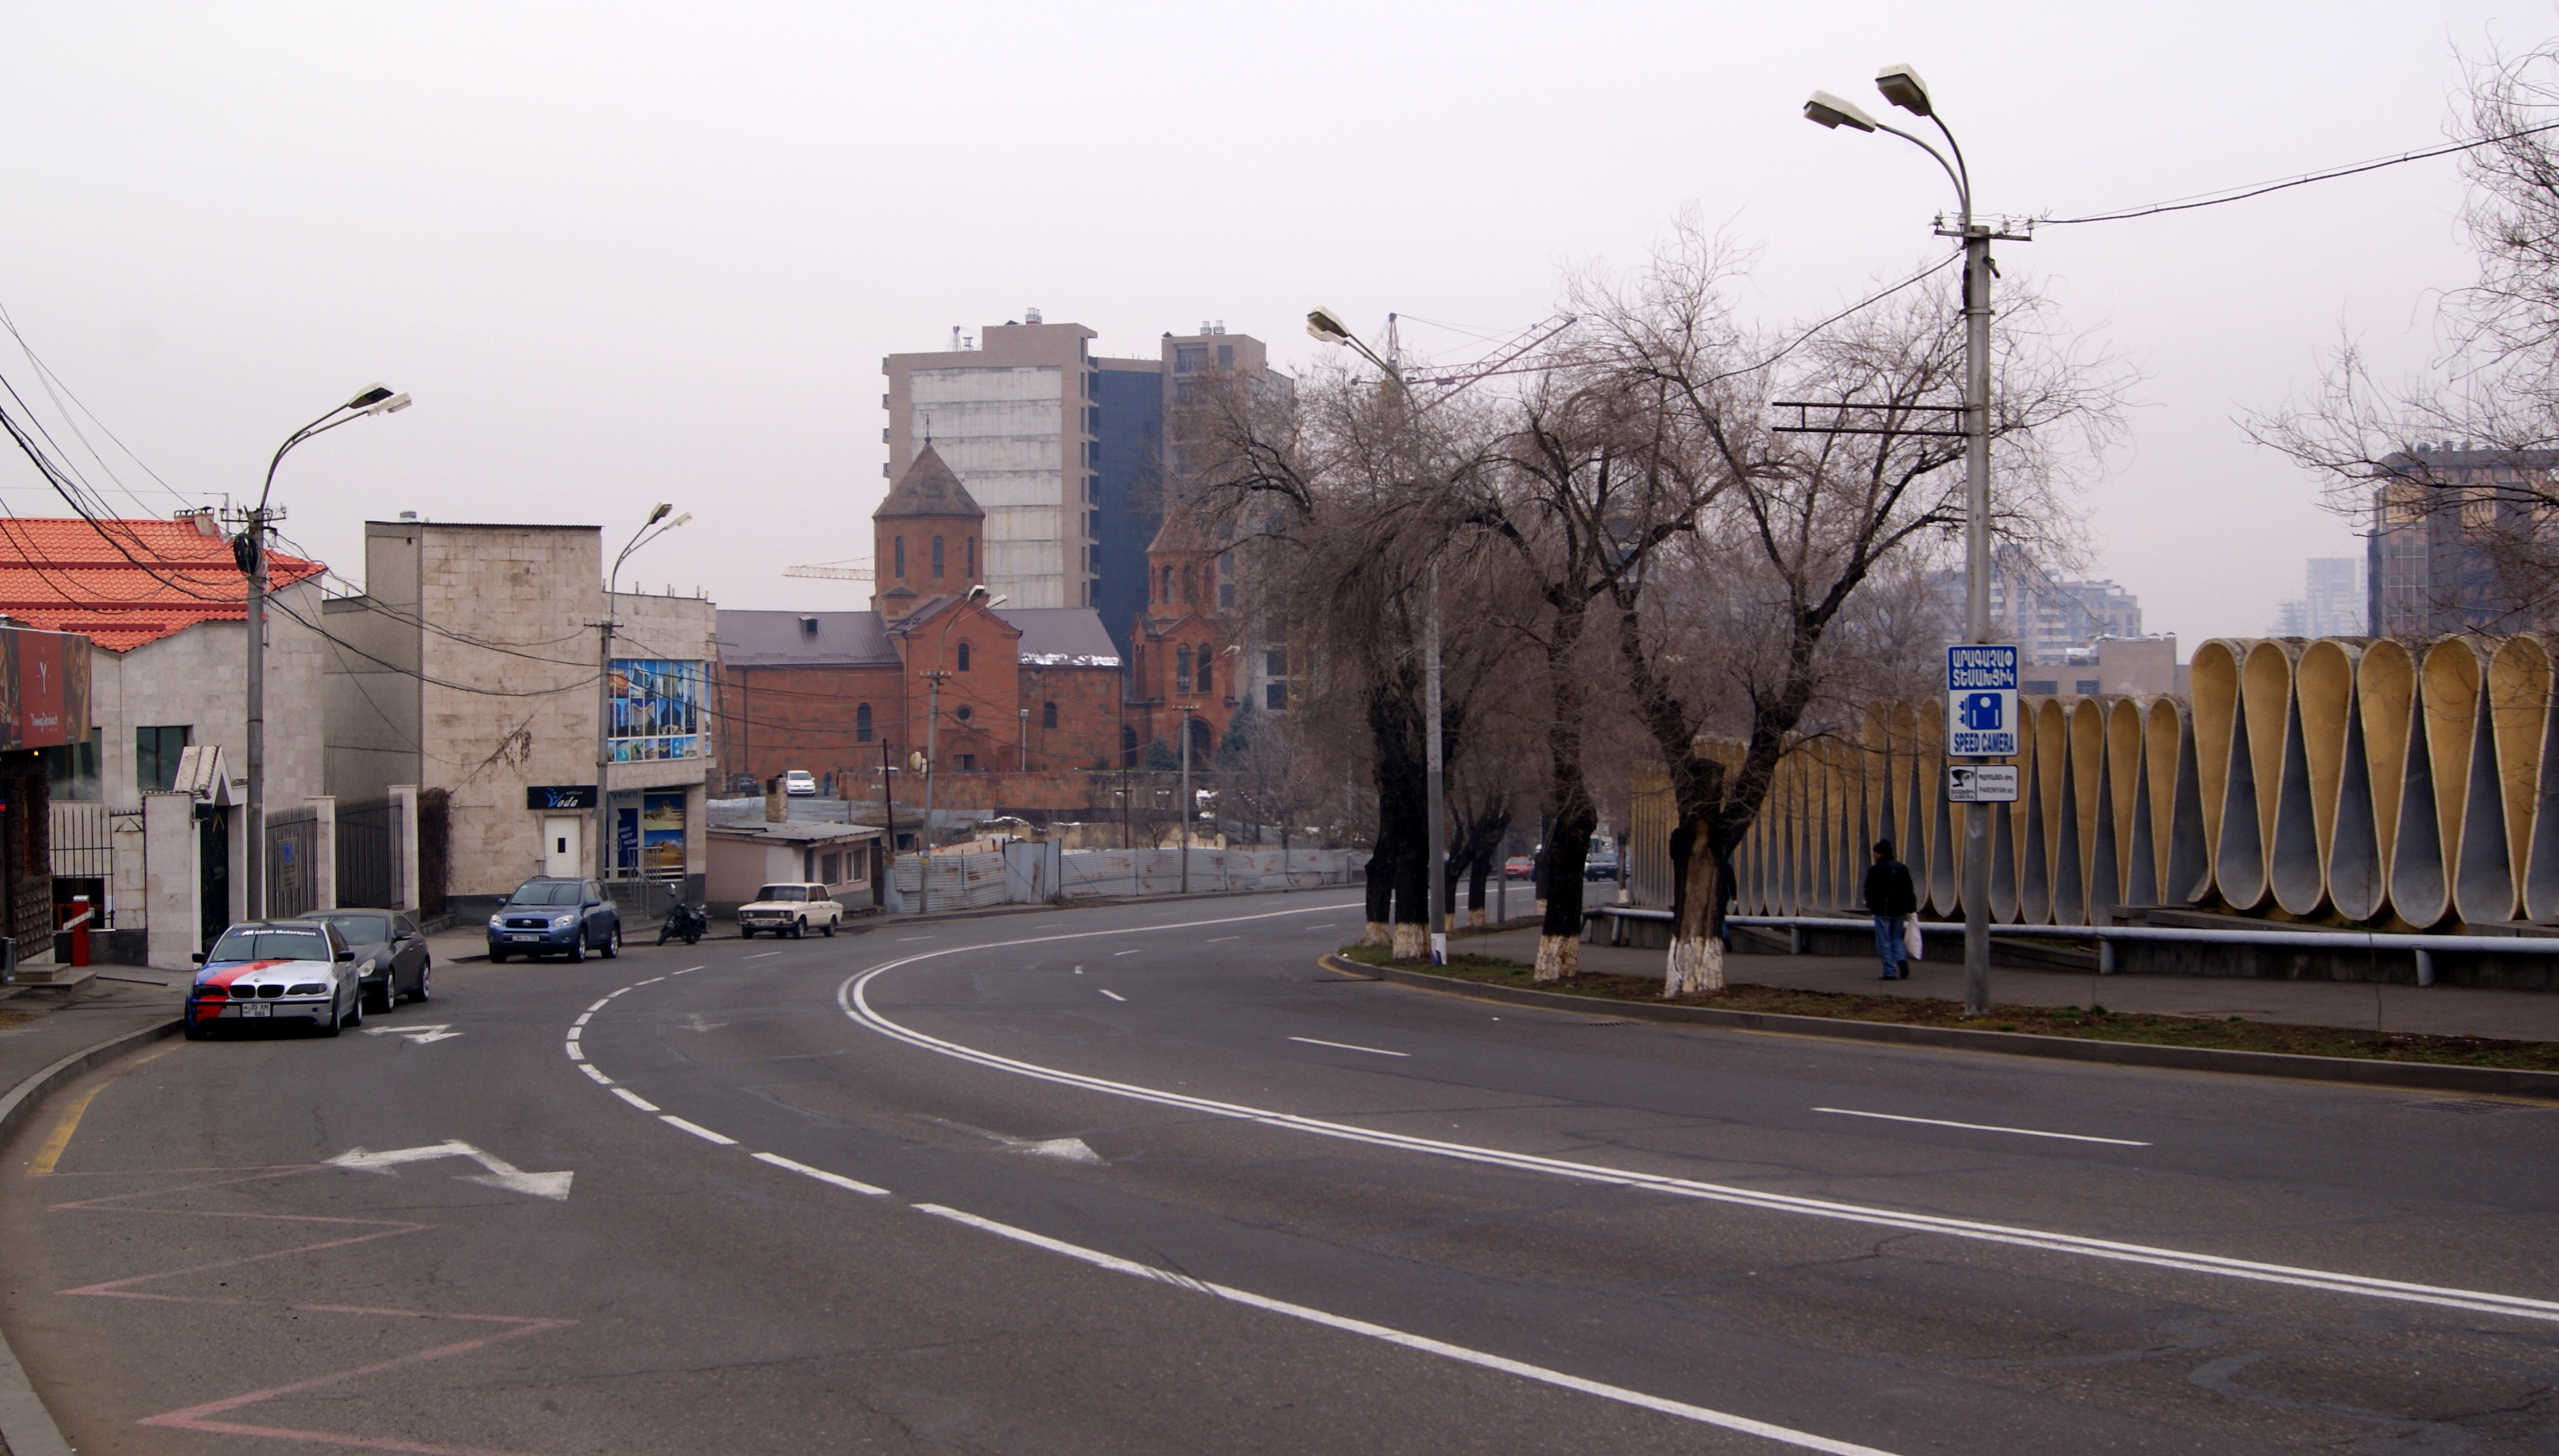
[[632, 253]]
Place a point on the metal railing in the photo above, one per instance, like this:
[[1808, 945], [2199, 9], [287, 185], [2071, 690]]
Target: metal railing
[[292, 866]]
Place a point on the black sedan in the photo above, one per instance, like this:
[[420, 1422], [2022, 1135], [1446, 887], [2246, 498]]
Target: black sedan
[[389, 952]]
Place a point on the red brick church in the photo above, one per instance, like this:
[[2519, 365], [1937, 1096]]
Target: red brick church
[[1031, 701]]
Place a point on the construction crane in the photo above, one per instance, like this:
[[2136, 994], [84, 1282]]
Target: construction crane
[[1505, 360], [854, 570]]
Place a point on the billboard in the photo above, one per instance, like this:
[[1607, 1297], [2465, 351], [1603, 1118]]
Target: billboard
[[654, 710], [44, 688]]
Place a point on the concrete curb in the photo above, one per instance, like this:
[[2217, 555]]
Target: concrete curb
[[26, 1427], [2422, 1075]]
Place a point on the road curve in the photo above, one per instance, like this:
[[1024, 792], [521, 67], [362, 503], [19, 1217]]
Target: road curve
[[1146, 1178]]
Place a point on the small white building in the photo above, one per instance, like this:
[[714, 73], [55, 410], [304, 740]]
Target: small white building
[[752, 844]]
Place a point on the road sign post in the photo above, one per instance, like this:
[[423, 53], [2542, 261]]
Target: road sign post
[[1981, 714], [1981, 701]]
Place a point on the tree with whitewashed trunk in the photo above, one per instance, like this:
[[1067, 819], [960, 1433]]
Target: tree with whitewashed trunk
[[1803, 594]]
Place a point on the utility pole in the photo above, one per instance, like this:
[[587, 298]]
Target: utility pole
[[1187, 710], [1977, 587], [602, 858], [1437, 796], [931, 736]]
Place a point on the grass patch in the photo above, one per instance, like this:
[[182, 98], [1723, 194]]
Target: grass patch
[[2236, 1034]]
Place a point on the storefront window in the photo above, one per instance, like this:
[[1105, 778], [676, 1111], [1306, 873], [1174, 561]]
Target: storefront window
[[661, 836], [656, 710]]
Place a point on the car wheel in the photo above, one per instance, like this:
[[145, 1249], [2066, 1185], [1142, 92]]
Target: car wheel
[[496, 957], [800, 929], [336, 1022], [577, 948], [196, 1032], [425, 970], [613, 943], [746, 932], [831, 929]]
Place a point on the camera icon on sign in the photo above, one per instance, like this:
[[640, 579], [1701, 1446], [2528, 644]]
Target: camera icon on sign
[[1979, 713]]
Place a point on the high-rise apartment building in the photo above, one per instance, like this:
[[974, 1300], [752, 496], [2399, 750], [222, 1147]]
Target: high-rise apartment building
[[2046, 616], [1062, 448], [2332, 603], [2462, 540]]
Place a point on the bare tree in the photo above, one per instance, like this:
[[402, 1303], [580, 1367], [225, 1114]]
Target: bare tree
[[2467, 455], [1768, 614]]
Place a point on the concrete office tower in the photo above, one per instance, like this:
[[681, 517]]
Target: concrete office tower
[[2331, 604], [1063, 449]]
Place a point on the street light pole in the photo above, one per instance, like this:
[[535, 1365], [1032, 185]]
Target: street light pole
[[1188, 807], [1902, 85], [248, 551], [603, 856]]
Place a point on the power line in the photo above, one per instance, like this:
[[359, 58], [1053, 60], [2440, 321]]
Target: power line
[[2260, 188]]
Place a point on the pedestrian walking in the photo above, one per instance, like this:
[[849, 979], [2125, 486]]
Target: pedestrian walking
[[1889, 896]]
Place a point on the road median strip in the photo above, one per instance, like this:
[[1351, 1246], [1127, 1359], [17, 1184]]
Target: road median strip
[[2372, 1059]]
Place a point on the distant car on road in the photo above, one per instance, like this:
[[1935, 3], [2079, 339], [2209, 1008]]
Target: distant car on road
[[299, 972], [789, 909], [390, 955], [1599, 867], [1520, 867], [799, 783], [548, 917]]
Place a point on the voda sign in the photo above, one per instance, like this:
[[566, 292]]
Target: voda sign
[[1981, 701]]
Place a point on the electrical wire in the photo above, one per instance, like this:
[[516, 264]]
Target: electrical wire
[[2260, 188], [53, 381]]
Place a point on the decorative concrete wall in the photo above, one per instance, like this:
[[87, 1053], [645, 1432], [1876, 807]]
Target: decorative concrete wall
[[2345, 780]]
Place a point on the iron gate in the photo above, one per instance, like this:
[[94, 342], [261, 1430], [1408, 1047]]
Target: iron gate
[[292, 873], [364, 864]]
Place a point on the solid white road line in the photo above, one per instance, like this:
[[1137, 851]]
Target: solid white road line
[[760, 955], [697, 1130], [1347, 1047], [590, 1068], [1804, 1440], [821, 1174], [1115, 995], [850, 995], [635, 1100], [1980, 1127]]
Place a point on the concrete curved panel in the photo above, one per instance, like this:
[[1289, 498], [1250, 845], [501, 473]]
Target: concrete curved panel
[[2239, 855], [2542, 859], [2213, 681], [2008, 839], [2482, 867], [2266, 688], [2293, 869], [2518, 693], [2420, 892], [2188, 855], [2126, 799], [2385, 706], [2450, 679], [2357, 886], [2090, 800], [2323, 698]]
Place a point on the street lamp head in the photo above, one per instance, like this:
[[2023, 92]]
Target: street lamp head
[[1326, 327], [373, 393], [1902, 85], [664, 507], [679, 521], [1825, 109], [393, 405]]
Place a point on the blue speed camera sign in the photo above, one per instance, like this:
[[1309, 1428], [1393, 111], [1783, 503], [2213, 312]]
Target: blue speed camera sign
[[1981, 701]]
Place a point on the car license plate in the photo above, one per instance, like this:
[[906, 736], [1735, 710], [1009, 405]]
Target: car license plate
[[524, 936], [257, 1009]]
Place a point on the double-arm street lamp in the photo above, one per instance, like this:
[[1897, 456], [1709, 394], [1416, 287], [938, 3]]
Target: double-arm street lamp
[[932, 726], [249, 549], [1902, 85], [1327, 327], [649, 531]]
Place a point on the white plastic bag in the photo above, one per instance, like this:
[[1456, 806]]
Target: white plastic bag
[[1912, 947]]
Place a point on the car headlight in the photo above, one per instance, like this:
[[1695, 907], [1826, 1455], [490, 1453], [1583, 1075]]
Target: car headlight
[[563, 922], [496, 923]]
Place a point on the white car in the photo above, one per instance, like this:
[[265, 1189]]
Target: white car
[[789, 910], [291, 972], [799, 783]]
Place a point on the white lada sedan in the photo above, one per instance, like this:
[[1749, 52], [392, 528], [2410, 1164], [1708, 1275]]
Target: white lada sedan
[[271, 972]]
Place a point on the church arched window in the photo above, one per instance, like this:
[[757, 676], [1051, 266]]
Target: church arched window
[[937, 558], [1182, 668]]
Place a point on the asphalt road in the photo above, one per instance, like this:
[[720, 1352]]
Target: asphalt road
[[1147, 1179]]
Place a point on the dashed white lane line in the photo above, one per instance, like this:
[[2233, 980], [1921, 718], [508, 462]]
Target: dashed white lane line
[[697, 1130], [1980, 1127], [635, 1100], [598, 1006], [688, 970], [760, 955], [583, 1019], [1140, 950], [1213, 940], [574, 1053], [1803, 1441], [821, 1175], [609, 995], [635, 985], [902, 939], [1115, 995], [577, 1031], [1347, 1047], [590, 1068]]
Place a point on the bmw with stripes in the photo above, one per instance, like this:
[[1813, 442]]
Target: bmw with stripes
[[271, 973]]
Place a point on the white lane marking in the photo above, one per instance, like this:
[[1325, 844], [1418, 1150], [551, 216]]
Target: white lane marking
[[417, 1035], [1428, 1345], [1980, 1127], [760, 955], [1324, 926], [635, 1100], [1213, 940], [590, 1068], [1347, 1047], [574, 1053], [583, 1019], [688, 970], [1138, 951], [501, 1174], [902, 939], [1079, 970], [575, 1032], [1115, 995], [598, 1006], [609, 995], [697, 1130], [851, 998], [821, 1175], [635, 985]]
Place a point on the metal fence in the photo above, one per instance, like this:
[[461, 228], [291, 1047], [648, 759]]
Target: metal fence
[[293, 865], [83, 849], [366, 865]]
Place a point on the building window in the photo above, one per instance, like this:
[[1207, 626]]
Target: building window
[[1182, 668], [1206, 685], [967, 761], [1189, 359], [155, 756], [1274, 663], [1274, 696], [937, 558], [897, 548], [654, 709], [1048, 715], [1190, 583], [71, 770], [969, 549], [2087, 686], [1128, 747], [1164, 593], [831, 868], [962, 712], [963, 667], [862, 723], [1226, 355]]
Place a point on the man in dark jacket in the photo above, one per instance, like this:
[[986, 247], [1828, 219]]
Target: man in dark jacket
[[1889, 897]]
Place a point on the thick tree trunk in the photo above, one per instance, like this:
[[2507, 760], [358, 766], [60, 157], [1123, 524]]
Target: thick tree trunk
[[1480, 871], [1381, 882], [1696, 962]]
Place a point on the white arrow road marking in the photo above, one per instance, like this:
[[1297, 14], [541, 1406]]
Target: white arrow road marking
[[419, 1035], [501, 1174], [697, 1024]]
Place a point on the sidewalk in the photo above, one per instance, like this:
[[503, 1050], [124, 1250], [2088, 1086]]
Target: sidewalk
[[2429, 1010], [41, 1025]]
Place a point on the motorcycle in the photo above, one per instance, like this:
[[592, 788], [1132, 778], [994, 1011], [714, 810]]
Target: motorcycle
[[686, 922]]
